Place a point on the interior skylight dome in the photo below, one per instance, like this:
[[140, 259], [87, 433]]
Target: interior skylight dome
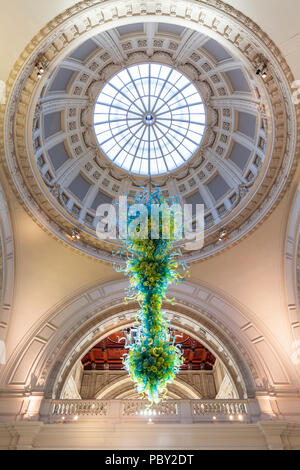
[[149, 119]]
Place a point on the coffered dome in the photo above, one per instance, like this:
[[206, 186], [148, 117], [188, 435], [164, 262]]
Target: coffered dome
[[154, 100]]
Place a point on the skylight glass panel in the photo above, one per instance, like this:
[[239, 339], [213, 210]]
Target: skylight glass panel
[[149, 119]]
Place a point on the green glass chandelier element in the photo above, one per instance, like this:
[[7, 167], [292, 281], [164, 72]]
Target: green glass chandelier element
[[153, 358]]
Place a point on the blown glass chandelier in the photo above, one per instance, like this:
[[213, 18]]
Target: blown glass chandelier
[[153, 359]]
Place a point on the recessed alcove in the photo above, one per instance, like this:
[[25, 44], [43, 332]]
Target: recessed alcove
[[100, 374]]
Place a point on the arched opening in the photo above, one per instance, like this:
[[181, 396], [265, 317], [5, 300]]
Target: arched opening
[[100, 373], [6, 272], [199, 312], [219, 387]]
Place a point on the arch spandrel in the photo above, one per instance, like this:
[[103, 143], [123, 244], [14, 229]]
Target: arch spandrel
[[45, 358]]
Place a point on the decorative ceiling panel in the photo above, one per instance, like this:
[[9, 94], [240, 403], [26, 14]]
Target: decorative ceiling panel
[[108, 354]]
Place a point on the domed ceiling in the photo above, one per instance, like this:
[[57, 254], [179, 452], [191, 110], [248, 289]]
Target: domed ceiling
[[214, 144], [226, 162]]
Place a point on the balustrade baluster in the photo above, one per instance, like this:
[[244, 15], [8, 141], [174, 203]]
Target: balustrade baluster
[[118, 410]]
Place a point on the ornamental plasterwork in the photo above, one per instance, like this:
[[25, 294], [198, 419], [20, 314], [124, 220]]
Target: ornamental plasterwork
[[94, 331], [102, 312], [6, 265], [255, 193]]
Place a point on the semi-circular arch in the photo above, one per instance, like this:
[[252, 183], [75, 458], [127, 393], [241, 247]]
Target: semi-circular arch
[[45, 358], [123, 387], [292, 276], [6, 272]]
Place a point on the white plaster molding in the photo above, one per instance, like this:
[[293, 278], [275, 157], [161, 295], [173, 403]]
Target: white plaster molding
[[100, 435], [292, 277], [47, 354], [7, 267]]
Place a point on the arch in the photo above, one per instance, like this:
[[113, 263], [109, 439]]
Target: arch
[[6, 272], [45, 358], [121, 386], [109, 383], [292, 275]]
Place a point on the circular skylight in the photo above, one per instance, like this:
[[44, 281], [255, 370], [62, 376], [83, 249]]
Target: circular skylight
[[149, 119]]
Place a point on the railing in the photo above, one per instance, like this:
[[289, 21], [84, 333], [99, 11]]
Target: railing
[[220, 408], [79, 407], [138, 411]]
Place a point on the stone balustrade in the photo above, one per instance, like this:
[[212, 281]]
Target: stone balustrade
[[135, 411]]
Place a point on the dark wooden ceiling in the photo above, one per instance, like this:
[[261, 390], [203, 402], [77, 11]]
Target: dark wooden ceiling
[[108, 354]]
